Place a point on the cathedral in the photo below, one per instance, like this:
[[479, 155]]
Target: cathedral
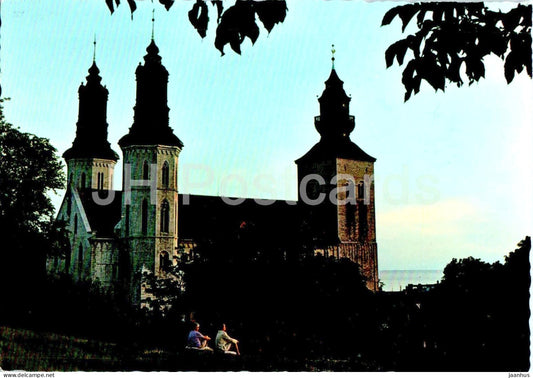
[[149, 226]]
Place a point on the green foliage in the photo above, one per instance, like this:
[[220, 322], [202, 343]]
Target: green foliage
[[455, 36], [479, 314], [165, 290], [29, 169], [235, 23], [280, 307]]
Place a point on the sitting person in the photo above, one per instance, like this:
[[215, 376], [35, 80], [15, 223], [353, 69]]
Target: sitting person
[[223, 342], [196, 340]]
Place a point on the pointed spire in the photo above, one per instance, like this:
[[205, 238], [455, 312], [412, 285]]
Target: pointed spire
[[94, 76], [91, 131], [150, 120], [335, 120], [334, 124], [152, 49]]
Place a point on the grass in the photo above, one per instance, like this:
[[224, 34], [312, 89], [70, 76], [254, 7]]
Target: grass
[[27, 350], [22, 349]]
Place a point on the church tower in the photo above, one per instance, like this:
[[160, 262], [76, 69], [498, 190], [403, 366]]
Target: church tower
[[90, 160], [90, 165], [336, 180], [150, 182]]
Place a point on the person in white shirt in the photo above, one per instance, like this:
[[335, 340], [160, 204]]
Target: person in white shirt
[[223, 342]]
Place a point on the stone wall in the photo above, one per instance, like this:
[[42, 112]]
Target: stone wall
[[104, 262]]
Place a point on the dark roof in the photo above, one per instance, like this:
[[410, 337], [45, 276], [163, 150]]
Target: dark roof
[[150, 120], [209, 216], [334, 126], [102, 218], [334, 90], [150, 137], [91, 128], [342, 148], [83, 150]]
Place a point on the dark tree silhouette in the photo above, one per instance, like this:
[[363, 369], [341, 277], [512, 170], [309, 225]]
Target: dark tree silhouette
[[29, 170], [455, 36], [478, 317], [235, 23]]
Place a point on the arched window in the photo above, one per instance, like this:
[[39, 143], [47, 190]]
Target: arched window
[[146, 170], [361, 190], [164, 261], [75, 224], [165, 216], [70, 179], [100, 181], [144, 217], [165, 174], [82, 180]]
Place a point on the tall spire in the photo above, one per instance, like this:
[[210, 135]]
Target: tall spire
[[150, 120], [91, 128], [334, 124], [335, 120]]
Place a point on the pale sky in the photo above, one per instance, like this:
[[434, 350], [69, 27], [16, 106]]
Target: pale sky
[[454, 170]]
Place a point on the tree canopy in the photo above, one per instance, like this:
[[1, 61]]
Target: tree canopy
[[29, 169], [453, 37], [235, 23]]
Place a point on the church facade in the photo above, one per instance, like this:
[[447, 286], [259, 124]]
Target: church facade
[[116, 235]]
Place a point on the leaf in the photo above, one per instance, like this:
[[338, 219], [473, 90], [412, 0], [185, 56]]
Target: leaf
[[133, 6], [408, 78], [509, 67], [220, 8], [511, 19], [398, 50], [414, 42], [406, 13], [431, 72], [457, 33], [453, 71], [198, 16], [421, 15], [389, 16], [237, 23], [110, 5], [167, 3], [475, 69], [271, 12]]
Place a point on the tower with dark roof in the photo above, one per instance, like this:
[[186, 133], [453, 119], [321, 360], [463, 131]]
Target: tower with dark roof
[[150, 199], [90, 160], [90, 166], [336, 186]]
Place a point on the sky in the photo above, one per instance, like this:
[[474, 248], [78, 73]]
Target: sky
[[454, 170]]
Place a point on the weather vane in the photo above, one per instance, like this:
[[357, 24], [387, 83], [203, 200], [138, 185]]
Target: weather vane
[[333, 56], [153, 21]]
